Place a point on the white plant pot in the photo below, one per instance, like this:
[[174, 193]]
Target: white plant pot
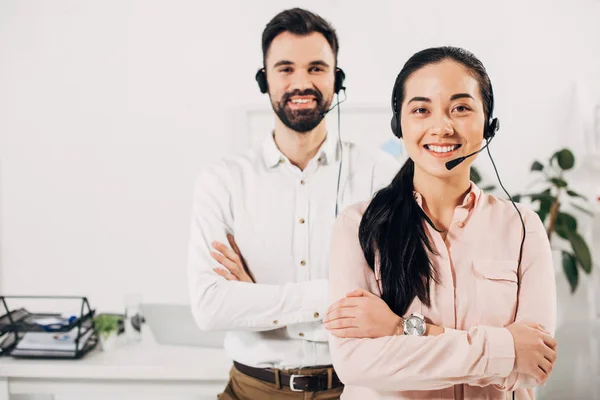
[[107, 344]]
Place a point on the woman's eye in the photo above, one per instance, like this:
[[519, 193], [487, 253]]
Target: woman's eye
[[420, 110], [462, 108]]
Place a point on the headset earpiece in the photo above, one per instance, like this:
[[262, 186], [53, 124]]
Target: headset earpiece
[[491, 129], [395, 123], [338, 84], [261, 79]]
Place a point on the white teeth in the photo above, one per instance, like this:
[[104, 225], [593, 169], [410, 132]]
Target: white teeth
[[301, 101], [442, 149]]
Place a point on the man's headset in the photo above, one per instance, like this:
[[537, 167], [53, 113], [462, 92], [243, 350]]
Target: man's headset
[[338, 85], [261, 79]]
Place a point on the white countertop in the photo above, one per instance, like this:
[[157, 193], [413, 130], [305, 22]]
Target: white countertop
[[135, 361], [128, 361], [150, 368]]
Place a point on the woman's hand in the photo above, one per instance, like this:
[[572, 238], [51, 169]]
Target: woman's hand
[[535, 350], [361, 314]]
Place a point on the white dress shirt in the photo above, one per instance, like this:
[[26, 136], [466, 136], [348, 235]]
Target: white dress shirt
[[281, 218]]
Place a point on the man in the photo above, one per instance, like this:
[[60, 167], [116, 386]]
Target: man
[[259, 246]]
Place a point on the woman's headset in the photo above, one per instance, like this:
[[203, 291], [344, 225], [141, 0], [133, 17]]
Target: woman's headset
[[489, 131]]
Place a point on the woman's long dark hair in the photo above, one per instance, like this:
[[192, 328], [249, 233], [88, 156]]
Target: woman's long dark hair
[[392, 231]]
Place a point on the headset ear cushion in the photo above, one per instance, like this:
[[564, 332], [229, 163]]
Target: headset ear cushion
[[261, 79], [395, 123], [340, 76], [492, 128]]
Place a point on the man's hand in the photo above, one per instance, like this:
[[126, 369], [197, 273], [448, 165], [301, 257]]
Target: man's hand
[[232, 260], [361, 314]]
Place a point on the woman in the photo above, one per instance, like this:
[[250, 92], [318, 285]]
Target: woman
[[438, 293]]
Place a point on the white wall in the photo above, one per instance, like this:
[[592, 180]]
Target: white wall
[[109, 108]]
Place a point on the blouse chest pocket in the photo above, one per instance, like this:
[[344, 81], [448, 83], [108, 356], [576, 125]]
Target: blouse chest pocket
[[496, 291]]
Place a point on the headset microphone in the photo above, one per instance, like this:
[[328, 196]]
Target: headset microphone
[[453, 163], [338, 102]]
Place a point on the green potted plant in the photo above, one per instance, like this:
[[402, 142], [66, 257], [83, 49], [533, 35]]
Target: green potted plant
[[108, 327], [552, 202]]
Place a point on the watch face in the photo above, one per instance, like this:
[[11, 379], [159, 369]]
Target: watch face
[[414, 326]]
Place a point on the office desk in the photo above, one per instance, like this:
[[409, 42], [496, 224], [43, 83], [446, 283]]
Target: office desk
[[150, 371], [142, 370]]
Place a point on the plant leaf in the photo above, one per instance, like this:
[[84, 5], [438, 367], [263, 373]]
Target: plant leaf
[[516, 198], [537, 166], [561, 231], [488, 188], [567, 220], [582, 252], [545, 205], [543, 197], [570, 268], [575, 194], [475, 177], [546, 192], [566, 159], [558, 182], [583, 210]]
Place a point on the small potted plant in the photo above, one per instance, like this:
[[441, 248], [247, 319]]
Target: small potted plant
[[552, 200], [108, 327]]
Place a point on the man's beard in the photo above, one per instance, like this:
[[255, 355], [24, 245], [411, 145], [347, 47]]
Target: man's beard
[[303, 120]]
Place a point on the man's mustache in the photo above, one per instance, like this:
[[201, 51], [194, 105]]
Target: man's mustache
[[307, 92]]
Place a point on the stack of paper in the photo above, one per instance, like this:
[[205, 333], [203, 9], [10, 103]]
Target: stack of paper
[[51, 344]]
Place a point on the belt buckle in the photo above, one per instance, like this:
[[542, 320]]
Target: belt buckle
[[292, 382]]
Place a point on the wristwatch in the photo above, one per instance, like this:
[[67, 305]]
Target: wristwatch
[[414, 325]]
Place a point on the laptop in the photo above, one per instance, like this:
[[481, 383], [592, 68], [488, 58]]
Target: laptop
[[173, 324]]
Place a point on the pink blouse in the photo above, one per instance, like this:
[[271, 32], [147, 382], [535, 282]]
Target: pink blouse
[[476, 297]]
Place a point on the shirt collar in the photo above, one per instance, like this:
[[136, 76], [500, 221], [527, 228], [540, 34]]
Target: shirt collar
[[469, 202], [328, 149], [472, 198], [273, 156]]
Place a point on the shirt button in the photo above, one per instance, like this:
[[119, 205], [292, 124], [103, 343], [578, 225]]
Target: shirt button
[[301, 220], [316, 315], [320, 159], [301, 334], [461, 224], [303, 263], [281, 160], [275, 322], [302, 182]]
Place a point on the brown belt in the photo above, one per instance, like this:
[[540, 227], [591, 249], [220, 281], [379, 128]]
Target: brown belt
[[296, 382]]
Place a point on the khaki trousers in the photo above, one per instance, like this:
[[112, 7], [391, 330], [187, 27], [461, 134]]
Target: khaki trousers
[[244, 387]]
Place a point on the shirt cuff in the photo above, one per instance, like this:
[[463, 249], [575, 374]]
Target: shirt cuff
[[501, 351], [315, 300]]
